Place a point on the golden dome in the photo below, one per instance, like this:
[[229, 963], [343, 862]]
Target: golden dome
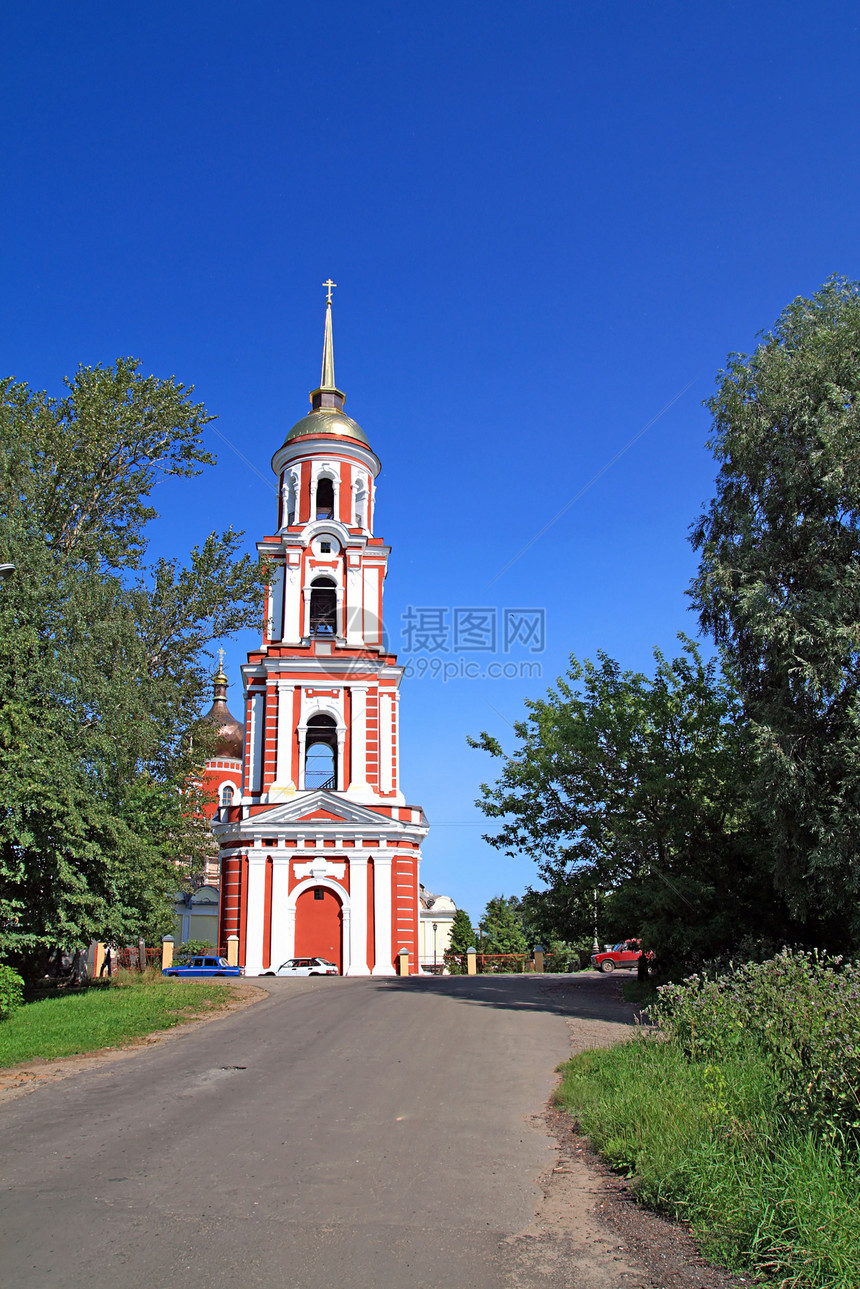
[[327, 421]]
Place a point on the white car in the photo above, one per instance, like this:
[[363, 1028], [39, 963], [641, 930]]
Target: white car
[[305, 967]]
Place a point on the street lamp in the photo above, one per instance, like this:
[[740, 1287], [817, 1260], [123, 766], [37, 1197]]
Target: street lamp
[[435, 925], [596, 941]]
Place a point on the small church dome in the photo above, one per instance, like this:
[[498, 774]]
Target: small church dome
[[230, 733], [327, 420]]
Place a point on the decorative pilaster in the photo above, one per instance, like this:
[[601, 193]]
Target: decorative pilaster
[[256, 911], [358, 921], [382, 915], [284, 769], [358, 738]]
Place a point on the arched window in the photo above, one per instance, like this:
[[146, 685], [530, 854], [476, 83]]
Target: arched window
[[226, 795], [325, 499], [321, 753], [323, 607]]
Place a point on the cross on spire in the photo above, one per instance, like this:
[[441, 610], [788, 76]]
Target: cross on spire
[[329, 285], [221, 659]]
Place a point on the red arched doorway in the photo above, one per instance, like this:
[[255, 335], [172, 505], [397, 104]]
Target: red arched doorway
[[319, 925]]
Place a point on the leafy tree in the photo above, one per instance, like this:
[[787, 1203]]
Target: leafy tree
[[779, 588], [637, 787], [463, 936], [502, 926], [103, 660], [560, 917]]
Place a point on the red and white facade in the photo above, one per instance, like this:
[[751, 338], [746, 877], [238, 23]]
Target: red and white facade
[[320, 851]]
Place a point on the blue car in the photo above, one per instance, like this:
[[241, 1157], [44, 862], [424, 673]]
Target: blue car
[[204, 967]]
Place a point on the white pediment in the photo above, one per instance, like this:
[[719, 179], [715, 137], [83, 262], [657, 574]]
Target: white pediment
[[309, 803]]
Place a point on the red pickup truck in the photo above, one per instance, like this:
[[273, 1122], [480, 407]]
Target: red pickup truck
[[625, 954]]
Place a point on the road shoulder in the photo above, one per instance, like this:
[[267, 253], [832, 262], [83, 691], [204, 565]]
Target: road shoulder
[[19, 1080]]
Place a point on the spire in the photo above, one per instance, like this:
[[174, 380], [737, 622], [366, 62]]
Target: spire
[[327, 378], [328, 395], [219, 680]]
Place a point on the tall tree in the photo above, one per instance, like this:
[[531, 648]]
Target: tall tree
[[637, 787], [779, 588], [103, 660], [462, 933], [502, 927]]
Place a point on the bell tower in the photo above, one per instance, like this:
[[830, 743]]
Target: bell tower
[[321, 806]]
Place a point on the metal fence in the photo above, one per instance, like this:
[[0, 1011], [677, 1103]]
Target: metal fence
[[490, 963], [129, 957]]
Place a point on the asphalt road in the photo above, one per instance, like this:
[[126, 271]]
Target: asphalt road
[[340, 1134]]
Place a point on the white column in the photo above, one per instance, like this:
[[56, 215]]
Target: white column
[[276, 611], [371, 605], [358, 738], [256, 910], [305, 625], [382, 916], [340, 616], [341, 768], [385, 766], [255, 778], [303, 738], [358, 921], [292, 628], [283, 927], [283, 772], [354, 610]]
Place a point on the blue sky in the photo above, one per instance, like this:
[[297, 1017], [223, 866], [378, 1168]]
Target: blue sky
[[546, 221]]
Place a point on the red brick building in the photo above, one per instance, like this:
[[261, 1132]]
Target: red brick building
[[319, 848]]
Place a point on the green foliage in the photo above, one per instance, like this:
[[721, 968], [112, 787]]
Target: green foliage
[[106, 1015], [103, 662], [191, 949], [462, 933], [741, 1116], [706, 1144], [501, 926], [779, 588], [638, 787], [11, 991], [797, 1012]]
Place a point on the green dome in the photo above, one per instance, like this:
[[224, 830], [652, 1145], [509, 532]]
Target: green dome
[[327, 421]]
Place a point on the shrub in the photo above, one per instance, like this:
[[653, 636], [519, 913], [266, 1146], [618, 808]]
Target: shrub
[[11, 991], [799, 1012], [192, 949]]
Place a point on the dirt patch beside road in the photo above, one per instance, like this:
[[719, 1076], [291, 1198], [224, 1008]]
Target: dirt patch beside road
[[588, 1231]]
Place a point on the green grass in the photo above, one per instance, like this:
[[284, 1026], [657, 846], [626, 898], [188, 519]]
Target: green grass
[[708, 1143], [84, 1021], [640, 992]]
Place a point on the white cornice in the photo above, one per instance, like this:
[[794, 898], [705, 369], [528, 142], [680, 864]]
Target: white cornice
[[323, 446]]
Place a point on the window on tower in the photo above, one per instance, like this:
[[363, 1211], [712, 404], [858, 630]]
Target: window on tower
[[321, 753], [226, 795], [323, 607], [325, 499]]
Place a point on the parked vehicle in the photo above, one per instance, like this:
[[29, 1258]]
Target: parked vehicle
[[208, 966], [305, 967], [625, 954]]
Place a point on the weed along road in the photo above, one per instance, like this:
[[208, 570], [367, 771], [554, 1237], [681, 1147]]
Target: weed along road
[[374, 1134]]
